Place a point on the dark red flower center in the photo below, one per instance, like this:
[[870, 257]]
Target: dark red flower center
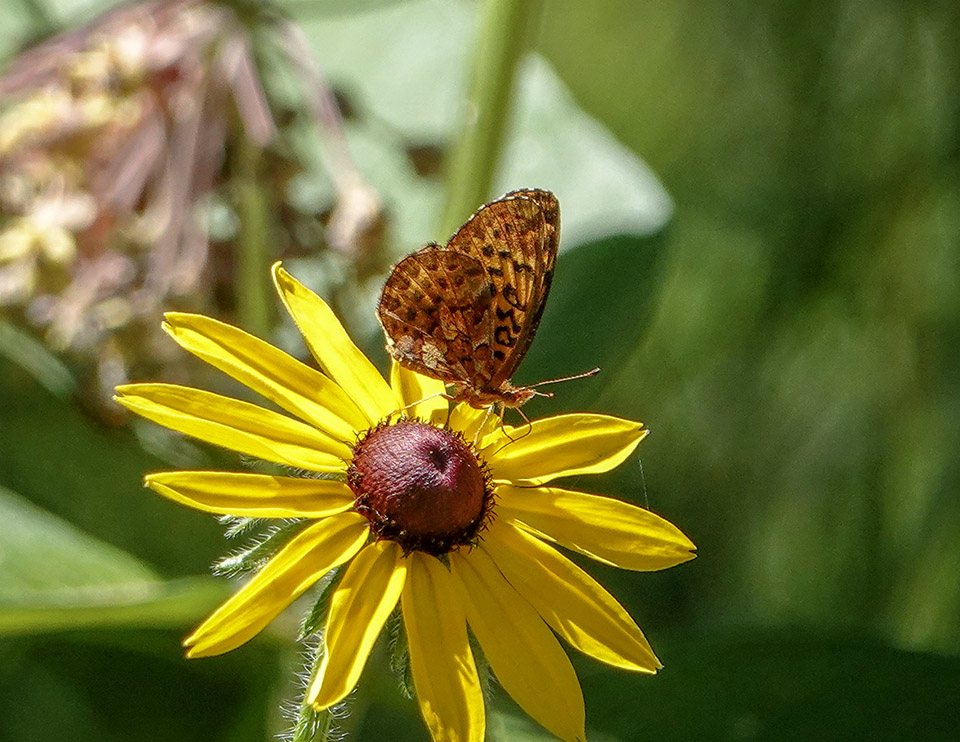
[[421, 486]]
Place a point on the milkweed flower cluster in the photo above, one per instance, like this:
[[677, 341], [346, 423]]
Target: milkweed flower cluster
[[439, 514], [131, 149], [109, 138]]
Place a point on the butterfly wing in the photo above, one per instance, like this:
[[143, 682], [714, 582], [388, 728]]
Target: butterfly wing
[[466, 312], [515, 240], [435, 310]]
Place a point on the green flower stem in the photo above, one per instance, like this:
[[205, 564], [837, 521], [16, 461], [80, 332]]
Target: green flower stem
[[505, 30], [252, 286], [312, 725]]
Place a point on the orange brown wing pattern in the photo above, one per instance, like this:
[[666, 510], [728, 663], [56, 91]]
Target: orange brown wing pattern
[[467, 312], [515, 239], [434, 308]]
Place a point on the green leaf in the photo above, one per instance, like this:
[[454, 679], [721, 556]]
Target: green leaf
[[133, 686], [55, 577], [602, 301], [779, 685], [37, 360], [604, 189], [58, 458]]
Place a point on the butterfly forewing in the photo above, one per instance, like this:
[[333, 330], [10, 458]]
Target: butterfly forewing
[[515, 239], [467, 312]]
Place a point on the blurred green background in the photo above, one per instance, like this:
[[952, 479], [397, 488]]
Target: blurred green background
[[779, 303]]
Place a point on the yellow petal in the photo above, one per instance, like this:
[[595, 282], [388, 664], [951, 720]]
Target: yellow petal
[[253, 495], [239, 426], [608, 530], [333, 349], [574, 604], [363, 601], [524, 654], [469, 420], [562, 446], [444, 673], [425, 396], [292, 385], [308, 556]]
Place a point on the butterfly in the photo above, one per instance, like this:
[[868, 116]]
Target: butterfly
[[466, 312]]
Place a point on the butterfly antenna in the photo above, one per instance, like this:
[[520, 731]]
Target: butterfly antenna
[[585, 374]]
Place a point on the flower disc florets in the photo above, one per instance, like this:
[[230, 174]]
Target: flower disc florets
[[421, 486]]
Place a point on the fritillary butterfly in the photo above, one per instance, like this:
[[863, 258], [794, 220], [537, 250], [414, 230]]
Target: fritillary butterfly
[[466, 312]]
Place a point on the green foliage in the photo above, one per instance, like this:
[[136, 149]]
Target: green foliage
[[133, 686], [102, 587], [780, 685], [799, 373]]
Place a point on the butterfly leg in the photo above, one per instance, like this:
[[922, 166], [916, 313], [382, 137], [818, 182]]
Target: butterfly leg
[[486, 419], [529, 428]]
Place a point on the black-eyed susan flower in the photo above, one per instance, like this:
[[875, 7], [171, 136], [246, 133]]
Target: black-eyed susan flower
[[443, 513]]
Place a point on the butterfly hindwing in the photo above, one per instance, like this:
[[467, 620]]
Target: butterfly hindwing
[[435, 308]]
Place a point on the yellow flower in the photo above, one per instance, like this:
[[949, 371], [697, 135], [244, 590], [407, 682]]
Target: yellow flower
[[445, 512]]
